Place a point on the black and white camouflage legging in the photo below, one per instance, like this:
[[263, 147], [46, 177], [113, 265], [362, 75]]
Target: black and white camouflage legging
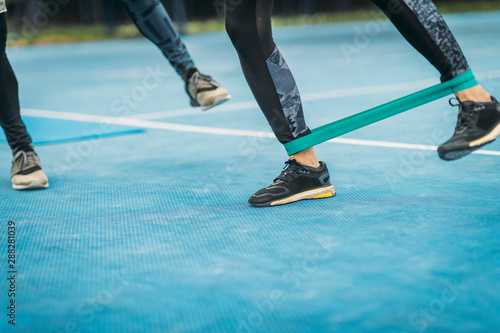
[[248, 23], [152, 19]]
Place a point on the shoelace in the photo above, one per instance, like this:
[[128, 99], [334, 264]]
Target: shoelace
[[291, 169], [466, 116], [197, 78], [454, 99], [25, 158]]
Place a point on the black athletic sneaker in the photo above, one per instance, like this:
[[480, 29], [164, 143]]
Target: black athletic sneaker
[[478, 124], [296, 182]]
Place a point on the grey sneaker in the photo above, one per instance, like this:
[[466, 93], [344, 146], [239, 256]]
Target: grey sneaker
[[26, 172], [204, 91]]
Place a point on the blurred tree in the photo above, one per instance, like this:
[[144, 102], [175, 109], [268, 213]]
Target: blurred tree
[[20, 9], [101, 11], [86, 12], [310, 6], [346, 5], [110, 8]]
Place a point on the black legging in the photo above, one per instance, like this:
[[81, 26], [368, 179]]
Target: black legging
[[10, 118], [248, 23]]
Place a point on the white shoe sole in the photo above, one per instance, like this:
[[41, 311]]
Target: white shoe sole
[[32, 186], [217, 101]]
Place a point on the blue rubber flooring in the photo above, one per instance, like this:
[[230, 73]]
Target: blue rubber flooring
[[54, 131], [152, 232]]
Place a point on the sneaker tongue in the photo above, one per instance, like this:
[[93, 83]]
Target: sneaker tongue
[[467, 117], [292, 164], [30, 158], [25, 148], [468, 103], [187, 75], [287, 173]]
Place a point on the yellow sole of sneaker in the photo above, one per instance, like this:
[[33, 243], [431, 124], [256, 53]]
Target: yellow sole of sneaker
[[318, 193]]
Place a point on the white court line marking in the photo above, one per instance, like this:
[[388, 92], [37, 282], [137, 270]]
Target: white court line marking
[[213, 130], [357, 91]]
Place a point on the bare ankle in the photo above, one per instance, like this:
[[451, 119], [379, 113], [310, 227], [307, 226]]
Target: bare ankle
[[306, 157], [474, 94]]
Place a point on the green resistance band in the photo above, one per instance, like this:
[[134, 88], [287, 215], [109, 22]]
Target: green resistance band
[[365, 118]]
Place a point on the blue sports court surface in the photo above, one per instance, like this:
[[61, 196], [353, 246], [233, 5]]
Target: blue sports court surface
[[146, 225]]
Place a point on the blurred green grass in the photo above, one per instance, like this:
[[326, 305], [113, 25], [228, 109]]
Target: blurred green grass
[[62, 34]]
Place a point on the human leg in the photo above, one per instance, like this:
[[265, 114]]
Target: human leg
[[153, 21], [26, 172], [425, 29], [249, 26]]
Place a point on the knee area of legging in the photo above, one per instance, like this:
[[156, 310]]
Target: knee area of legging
[[266, 40], [240, 31], [234, 30], [3, 58], [3, 41], [243, 36]]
